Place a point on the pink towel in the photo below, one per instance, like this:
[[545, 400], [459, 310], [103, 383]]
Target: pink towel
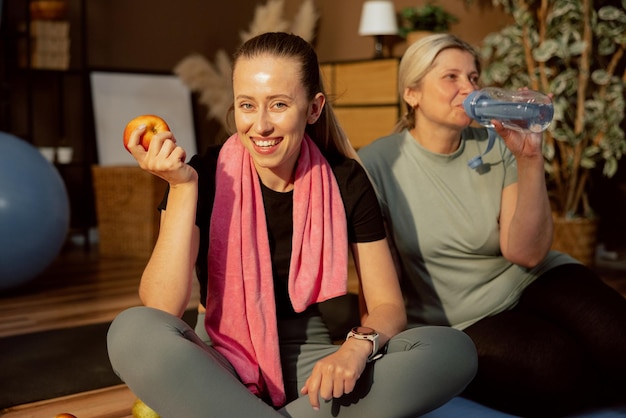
[[241, 310]]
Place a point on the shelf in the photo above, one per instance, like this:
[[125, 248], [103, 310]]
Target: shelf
[[49, 107]]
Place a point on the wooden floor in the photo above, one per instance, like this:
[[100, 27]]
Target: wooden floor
[[113, 402], [78, 289], [81, 288]]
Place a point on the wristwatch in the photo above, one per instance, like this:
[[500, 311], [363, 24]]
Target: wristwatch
[[366, 333]]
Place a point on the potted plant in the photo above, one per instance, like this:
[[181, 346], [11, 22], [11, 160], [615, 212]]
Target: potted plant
[[573, 49], [415, 21]]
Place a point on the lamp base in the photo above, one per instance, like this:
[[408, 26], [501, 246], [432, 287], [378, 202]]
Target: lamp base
[[378, 47]]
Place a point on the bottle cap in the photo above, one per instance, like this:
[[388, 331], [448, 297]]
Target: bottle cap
[[470, 100]]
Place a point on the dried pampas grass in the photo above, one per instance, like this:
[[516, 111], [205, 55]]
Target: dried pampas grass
[[213, 80], [305, 21], [268, 17]]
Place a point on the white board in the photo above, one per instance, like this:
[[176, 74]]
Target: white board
[[119, 97]]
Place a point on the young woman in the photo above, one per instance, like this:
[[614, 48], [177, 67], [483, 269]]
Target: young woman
[[474, 247], [273, 212]]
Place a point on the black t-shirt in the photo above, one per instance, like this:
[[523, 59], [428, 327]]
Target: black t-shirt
[[364, 219]]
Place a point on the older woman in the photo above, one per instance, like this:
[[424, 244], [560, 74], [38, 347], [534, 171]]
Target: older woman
[[474, 247]]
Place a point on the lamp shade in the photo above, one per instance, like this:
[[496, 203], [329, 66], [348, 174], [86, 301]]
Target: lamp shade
[[378, 18]]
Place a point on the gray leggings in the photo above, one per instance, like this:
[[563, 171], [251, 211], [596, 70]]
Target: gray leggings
[[177, 373]]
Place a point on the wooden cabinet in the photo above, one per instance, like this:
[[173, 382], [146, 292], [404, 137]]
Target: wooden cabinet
[[365, 97]]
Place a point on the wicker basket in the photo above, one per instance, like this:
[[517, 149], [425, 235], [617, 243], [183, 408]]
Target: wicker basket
[[126, 200], [576, 237]]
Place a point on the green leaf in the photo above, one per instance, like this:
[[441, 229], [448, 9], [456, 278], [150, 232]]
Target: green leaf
[[546, 50], [587, 163], [548, 151], [610, 167], [611, 13], [601, 77]]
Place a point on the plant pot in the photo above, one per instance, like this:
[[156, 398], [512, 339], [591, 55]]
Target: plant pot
[[416, 35], [576, 237]]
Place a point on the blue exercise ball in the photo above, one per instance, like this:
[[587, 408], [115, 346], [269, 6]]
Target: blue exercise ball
[[34, 212]]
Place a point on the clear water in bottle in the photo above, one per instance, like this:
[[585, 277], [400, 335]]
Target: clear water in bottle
[[523, 110]]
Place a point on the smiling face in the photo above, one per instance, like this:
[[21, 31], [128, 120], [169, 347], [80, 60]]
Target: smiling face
[[439, 97], [271, 113]]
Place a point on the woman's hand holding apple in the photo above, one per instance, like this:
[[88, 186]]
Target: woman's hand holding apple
[[153, 145]]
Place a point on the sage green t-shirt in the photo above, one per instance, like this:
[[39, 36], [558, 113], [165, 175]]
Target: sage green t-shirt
[[443, 221]]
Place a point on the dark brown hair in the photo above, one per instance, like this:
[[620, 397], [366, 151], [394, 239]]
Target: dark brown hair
[[326, 131]]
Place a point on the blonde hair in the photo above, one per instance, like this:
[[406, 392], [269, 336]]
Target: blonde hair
[[417, 61], [326, 132]]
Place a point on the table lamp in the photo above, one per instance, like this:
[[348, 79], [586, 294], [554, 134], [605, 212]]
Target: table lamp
[[378, 18]]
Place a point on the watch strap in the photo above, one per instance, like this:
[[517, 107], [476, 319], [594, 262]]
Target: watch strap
[[371, 336]]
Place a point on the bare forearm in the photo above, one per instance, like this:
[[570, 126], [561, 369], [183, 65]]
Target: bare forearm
[[530, 231], [380, 295], [166, 283], [387, 320]]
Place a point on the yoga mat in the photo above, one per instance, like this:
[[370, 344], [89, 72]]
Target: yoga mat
[[49, 364]]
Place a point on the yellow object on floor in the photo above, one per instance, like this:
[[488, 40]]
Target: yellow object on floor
[[141, 410]]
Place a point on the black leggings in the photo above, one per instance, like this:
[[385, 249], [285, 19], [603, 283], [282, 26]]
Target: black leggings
[[561, 349]]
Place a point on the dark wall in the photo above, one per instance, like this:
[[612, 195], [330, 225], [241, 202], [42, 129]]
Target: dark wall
[[153, 36], [156, 34]]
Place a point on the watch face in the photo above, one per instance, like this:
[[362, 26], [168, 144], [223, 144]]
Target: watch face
[[363, 330], [366, 333]]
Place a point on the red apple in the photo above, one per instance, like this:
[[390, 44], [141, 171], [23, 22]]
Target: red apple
[[154, 124]]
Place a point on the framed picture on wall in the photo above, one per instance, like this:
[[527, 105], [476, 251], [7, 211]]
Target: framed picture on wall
[[119, 97]]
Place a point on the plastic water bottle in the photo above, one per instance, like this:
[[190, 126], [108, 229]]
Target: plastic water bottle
[[523, 110]]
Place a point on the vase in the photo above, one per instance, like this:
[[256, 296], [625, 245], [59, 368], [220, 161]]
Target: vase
[[64, 155], [576, 237]]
